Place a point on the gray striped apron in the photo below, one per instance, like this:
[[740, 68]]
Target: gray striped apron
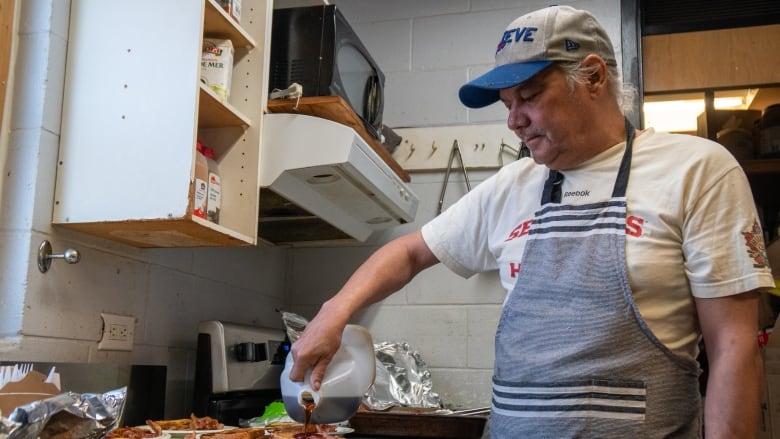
[[574, 358]]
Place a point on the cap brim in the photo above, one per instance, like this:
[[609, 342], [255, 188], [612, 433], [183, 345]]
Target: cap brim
[[483, 90]]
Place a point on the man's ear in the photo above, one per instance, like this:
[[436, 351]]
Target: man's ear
[[597, 79]]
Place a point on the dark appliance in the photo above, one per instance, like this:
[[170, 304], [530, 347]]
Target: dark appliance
[[237, 370], [316, 47]]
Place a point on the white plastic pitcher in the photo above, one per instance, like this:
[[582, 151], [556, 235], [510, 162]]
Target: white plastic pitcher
[[346, 380]]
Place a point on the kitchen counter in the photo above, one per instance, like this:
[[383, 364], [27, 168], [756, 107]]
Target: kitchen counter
[[386, 425]]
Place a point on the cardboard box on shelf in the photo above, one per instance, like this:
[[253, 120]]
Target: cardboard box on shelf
[[709, 123]]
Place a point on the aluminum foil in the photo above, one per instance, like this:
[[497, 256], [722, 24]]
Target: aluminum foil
[[293, 325], [402, 377], [68, 415]]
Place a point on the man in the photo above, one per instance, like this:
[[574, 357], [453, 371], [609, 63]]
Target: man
[[619, 278]]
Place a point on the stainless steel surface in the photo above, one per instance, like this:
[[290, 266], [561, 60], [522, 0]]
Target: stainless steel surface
[[229, 373], [471, 412], [237, 370]]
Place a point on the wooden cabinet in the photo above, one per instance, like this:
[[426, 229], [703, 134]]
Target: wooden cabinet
[[723, 58], [134, 107]]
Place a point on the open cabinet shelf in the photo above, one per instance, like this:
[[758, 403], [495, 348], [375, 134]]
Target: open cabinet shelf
[[134, 108]]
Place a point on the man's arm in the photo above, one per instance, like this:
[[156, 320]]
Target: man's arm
[[385, 272], [730, 327]]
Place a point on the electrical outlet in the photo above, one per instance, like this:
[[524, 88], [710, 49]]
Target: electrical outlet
[[117, 333]]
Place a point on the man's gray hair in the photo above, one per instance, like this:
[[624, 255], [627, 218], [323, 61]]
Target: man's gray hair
[[624, 94]]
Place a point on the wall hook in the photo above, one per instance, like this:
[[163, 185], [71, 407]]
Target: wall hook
[[433, 149], [45, 256], [411, 151], [501, 152]]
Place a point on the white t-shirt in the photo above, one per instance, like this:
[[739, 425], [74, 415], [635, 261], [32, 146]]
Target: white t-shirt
[[691, 227]]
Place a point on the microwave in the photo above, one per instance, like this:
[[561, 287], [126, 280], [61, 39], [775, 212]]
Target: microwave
[[316, 47]]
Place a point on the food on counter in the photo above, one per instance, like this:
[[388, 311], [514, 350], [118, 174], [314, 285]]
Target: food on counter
[[287, 430], [295, 430], [135, 432], [193, 423], [238, 433]]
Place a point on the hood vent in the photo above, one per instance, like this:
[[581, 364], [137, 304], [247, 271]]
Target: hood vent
[[320, 181]]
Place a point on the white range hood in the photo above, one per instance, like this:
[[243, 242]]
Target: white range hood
[[320, 181]]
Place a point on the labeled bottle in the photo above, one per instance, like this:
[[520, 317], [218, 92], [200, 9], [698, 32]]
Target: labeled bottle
[[214, 200], [348, 376], [201, 188]]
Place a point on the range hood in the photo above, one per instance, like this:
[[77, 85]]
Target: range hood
[[320, 181]]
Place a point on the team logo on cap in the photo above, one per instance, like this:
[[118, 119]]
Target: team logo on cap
[[516, 35], [571, 45]]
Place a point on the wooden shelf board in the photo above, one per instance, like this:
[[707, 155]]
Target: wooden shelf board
[[160, 233], [334, 108], [218, 23], [213, 113], [761, 166]]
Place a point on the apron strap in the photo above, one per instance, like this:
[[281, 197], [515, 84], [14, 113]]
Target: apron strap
[[621, 183], [552, 187]]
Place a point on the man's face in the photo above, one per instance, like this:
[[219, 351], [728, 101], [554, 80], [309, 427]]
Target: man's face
[[550, 117]]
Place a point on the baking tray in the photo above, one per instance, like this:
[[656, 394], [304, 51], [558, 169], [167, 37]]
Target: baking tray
[[418, 425]]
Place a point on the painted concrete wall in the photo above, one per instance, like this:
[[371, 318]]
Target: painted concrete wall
[[427, 49]]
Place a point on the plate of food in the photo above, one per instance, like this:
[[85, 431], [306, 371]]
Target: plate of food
[[287, 430], [142, 432], [241, 433], [192, 427], [178, 434]]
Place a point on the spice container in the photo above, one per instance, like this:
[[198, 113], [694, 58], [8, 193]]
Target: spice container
[[214, 201], [201, 188], [232, 7], [208, 185]]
